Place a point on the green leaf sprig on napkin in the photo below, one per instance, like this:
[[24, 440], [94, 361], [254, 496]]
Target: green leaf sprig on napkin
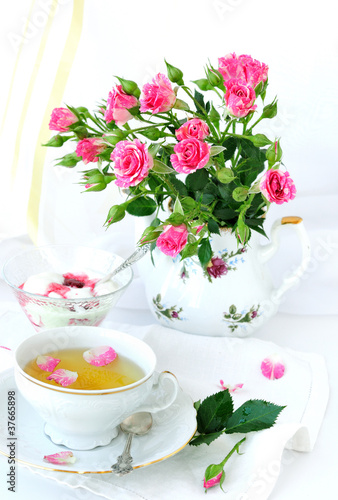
[[216, 416]]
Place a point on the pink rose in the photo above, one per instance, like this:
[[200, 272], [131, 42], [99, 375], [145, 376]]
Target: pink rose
[[255, 71], [158, 97], [118, 104], [277, 186], [132, 162], [190, 155], [172, 240], [239, 98], [61, 119], [244, 68], [90, 148], [230, 67], [194, 128]]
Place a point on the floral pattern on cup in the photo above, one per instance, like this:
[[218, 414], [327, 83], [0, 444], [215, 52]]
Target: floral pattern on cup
[[243, 318], [169, 313]]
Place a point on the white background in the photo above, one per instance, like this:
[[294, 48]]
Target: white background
[[297, 39]]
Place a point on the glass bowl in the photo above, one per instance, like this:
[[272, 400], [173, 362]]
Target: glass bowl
[[46, 312]]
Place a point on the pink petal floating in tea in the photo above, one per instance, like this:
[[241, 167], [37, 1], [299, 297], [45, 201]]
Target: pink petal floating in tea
[[100, 356], [63, 377], [62, 458], [230, 388], [47, 363], [273, 367]]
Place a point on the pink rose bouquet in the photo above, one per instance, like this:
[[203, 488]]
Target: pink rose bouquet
[[197, 165]]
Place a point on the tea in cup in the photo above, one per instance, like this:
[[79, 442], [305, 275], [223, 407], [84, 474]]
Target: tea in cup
[[83, 381]]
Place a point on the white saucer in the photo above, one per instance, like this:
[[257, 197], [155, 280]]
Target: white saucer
[[172, 430]]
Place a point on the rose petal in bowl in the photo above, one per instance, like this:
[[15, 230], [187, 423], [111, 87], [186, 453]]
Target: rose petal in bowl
[[47, 363], [100, 356], [63, 377], [273, 367], [62, 458]]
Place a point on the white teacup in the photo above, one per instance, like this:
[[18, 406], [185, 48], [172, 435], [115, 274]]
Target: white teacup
[[84, 419]]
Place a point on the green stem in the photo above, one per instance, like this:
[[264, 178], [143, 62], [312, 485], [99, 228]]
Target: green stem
[[133, 131], [235, 448], [257, 121]]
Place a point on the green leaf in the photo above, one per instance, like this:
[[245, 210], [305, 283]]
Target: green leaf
[[214, 412], [105, 155], [215, 150], [188, 204], [213, 226], [189, 250], [203, 84], [200, 99], [259, 140], [197, 180], [175, 219], [205, 438], [81, 132], [230, 145], [253, 415], [153, 149], [214, 115], [178, 185], [141, 206], [161, 168], [153, 133]]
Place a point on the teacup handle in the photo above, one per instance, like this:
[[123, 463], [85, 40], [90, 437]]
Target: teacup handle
[[269, 250], [163, 394]]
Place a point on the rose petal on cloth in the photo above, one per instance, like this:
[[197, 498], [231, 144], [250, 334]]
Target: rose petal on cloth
[[62, 458], [63, 377], [273, 367], [47, 363], [100, 356], [230, 388]]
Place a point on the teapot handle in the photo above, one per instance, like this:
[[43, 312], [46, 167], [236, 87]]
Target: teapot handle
[[269, 250]]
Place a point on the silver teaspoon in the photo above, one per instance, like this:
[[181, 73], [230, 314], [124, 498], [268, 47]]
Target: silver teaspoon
[[137, 424], [134, 257]]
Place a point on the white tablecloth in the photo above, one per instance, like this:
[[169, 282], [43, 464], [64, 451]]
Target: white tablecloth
[[302, 475]]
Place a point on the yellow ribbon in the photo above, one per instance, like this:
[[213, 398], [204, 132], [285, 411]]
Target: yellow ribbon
[[55, 100]]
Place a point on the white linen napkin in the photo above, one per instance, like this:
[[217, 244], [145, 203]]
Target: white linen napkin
[[199, 363]]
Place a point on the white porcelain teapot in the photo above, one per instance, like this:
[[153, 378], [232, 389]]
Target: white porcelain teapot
[[238, 295]]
